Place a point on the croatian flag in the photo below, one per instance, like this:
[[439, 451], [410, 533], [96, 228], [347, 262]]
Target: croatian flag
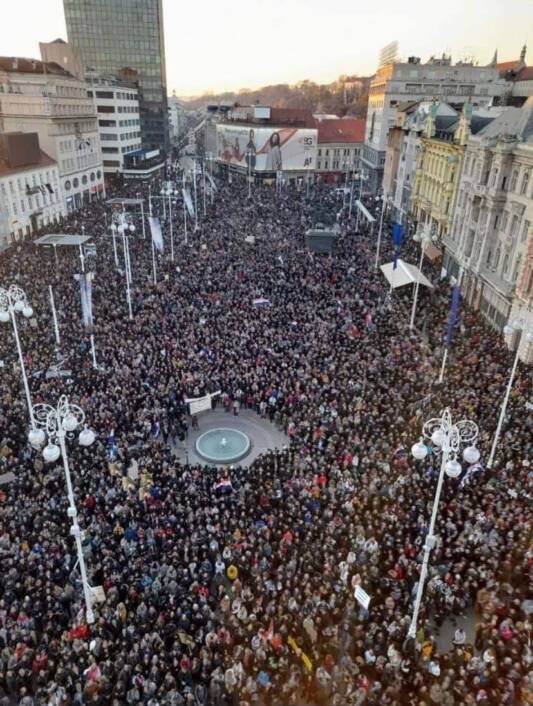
[[112, 448], [261, 302], [224, 485]]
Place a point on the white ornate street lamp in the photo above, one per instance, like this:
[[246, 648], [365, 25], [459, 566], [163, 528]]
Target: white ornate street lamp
[[423, 237], [446, 438], [14, 301], [517, 328], [54, 424]]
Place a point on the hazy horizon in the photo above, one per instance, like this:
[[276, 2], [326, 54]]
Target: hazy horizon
[[216, 48]]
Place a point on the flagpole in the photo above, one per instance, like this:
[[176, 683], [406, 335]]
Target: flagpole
[[445, 356], [151, 234], [56, 327]]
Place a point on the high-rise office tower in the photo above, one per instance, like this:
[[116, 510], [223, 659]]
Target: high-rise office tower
[[110, 35]]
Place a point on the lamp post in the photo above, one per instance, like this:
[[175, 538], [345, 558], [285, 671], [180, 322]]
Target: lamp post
[[195, 198], [123, 224], [516, 328], [446, 439], [249, 155], [14, 301], [169, 192], [424, 238], [114, 233], [384, 198], [362, 177], [55, 424]]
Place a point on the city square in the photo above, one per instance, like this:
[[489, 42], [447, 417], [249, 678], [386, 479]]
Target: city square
[[265, 400]]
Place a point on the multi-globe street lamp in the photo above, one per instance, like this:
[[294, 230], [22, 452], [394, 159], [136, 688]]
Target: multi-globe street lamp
[[14, 301], [54, 425], [446, 439], [122, 224]]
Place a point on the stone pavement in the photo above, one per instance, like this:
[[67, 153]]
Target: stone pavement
[[263, 434]]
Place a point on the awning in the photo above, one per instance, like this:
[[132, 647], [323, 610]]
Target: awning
[[404, 274], [62, 239], [432, 252]]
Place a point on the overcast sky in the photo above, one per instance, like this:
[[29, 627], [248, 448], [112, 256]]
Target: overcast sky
[[226, 45]]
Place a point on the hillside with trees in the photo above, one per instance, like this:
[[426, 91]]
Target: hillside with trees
[[346, 96]]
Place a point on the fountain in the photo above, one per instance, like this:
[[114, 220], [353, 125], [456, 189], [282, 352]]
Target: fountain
[[223, 445]]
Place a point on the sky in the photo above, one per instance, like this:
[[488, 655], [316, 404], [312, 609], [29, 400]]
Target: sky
[[217, 45]]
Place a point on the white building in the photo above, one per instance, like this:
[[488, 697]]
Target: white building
[[42, 97], [176, 118], [117, 106], [438, 79], [490, 240], [30, 188]]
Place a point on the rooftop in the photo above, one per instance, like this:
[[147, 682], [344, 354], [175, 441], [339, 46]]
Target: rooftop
[[44, 161], [341, 130], [14, 64]]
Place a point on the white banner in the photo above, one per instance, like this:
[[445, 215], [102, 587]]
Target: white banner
[[86, 295], [155, 229], [188, 202], [211, 182], [200, 404]]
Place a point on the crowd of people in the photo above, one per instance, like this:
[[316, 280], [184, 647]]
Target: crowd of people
[[241, 593]]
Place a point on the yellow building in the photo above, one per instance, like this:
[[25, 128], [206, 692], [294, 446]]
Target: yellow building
[[438, 168]]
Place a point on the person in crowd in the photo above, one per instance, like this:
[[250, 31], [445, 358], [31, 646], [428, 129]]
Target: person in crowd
[[235, 586]]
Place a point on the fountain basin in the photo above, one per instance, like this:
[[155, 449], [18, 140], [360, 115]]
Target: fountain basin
[[223, 445]]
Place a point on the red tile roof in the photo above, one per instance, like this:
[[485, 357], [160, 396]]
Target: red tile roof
[[506, 66], [341, 130], [525, 74], [44, 161]]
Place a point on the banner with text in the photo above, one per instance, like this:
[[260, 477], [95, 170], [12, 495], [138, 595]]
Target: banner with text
[[267, 149]]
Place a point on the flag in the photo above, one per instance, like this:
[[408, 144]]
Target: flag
[[112, 448], [86, 295], [397, 234], [188, 202], [155, 229], [156, 429], [472, 470], [224, 485], [452, 317], [211, 182], [261, 302]]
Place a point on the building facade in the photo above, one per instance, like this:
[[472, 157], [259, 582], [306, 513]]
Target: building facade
[[30, 187], [112, 34], [489, 247], [46, 99], [119, 125], [440, 162], [340, 143], [176, 119], [439, 79]]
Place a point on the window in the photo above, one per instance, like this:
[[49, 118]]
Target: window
[[84, 179], [75, 182], [68, 186], [514, 180], [525, 182], [525, 230]]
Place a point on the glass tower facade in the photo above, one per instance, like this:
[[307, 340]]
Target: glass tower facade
[[110, 35]]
